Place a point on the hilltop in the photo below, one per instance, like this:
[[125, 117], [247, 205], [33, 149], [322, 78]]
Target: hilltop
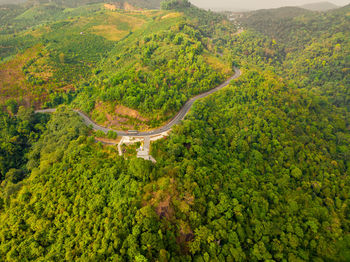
[[321, 6]]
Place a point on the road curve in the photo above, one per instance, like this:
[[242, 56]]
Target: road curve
[[180, 115]]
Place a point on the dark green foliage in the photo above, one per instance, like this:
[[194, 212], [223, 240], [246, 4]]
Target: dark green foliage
[[175, 4], [12, 106], [17, 134], [112, 135], [269, 174], [93, 200], [54, 141]]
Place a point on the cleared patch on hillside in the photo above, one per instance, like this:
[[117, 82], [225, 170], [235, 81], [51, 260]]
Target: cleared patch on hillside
[[132, 21], [125, 6], [108, 141], [123, 110], [161, 198], [40, 68], [164, 198], [130, 7], [13, 82], [27, 78], [118, 117], [114, 26], [110, 7]]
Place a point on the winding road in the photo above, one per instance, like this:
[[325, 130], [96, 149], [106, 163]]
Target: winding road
[[180, 115]]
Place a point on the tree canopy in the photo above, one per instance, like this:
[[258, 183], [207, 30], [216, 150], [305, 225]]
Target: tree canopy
[[258, 171]]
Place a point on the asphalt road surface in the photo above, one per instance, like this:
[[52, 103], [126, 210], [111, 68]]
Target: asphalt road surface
[[180, 115]]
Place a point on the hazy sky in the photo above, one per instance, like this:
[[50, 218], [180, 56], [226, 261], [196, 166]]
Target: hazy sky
[[257, 4]]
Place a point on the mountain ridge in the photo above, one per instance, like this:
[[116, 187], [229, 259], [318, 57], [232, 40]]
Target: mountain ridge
[[320, 6]]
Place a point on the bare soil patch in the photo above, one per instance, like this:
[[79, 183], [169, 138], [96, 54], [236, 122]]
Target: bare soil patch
[[119, 117], [125, 6], [125, 111], [110, 7], [108, 141], [133, 21]]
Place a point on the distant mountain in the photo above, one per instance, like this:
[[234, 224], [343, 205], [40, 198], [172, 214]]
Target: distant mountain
[[285, 23], [265, 19], [321, 6], [277, 13]]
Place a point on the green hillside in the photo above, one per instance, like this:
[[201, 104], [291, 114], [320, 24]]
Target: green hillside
[[258, 171], [103, 56], [312, 49]]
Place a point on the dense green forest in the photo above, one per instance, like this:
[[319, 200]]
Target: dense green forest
[[258, 171], [310, 48], [18, 134]]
